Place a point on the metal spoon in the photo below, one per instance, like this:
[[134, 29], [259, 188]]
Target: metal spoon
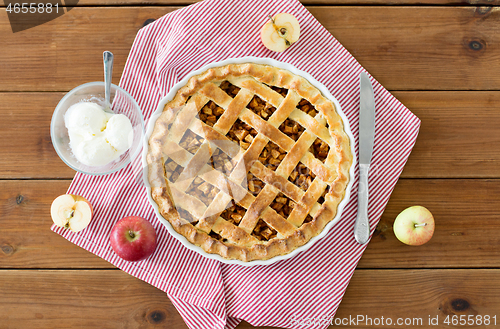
[[107, 58]]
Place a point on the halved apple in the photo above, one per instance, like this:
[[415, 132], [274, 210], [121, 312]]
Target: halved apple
[[70, 211], [280, 32]]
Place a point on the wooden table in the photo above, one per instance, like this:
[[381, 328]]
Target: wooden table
[[439, 57]]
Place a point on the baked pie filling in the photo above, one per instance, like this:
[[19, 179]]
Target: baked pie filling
[[249, 161]]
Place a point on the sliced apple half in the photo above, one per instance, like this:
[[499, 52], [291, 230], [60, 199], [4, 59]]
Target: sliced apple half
[[280, 32], [70, 211]]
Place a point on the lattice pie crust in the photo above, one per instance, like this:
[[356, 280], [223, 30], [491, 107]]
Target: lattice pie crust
[[249, 161]]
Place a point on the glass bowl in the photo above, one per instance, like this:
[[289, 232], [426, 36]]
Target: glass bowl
[[121, 103]]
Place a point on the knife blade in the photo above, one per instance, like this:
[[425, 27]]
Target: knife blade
[[366, 140]]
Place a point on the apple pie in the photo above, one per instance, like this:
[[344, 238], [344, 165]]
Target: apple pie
[[248, 161]]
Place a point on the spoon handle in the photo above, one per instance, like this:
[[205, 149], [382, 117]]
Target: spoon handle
[[108, 71]]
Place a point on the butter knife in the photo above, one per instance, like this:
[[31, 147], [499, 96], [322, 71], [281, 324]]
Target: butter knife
[[366, 139]]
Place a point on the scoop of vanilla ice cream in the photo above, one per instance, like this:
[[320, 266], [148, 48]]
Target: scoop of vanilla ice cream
[[119, 132], [86, 118], [96, 137], [76, 136], [95, 151]]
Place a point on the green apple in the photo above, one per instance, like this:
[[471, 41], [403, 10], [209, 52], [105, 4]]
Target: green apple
[[414, 226]]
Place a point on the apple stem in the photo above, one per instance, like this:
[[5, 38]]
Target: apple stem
[[131, 234], [270, 17], [423, 224]]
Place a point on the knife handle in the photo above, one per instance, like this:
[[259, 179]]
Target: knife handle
[[362, 225]]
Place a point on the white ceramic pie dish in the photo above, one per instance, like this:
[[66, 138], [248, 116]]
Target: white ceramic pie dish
[[257, 60]]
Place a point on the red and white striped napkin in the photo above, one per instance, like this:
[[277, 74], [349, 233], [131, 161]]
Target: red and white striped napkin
[[206, 293]]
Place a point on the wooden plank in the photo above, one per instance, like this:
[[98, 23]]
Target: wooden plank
[[82, 299], [430, 49], [423, 48], [26, 240], [459, 135], [67, 51], [27, 150], [466, 212], [467, 229], [421, 293], [113, 299]]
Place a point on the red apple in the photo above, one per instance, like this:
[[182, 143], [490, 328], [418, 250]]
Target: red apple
[[414, 226], [133, 238], [72, 212]]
